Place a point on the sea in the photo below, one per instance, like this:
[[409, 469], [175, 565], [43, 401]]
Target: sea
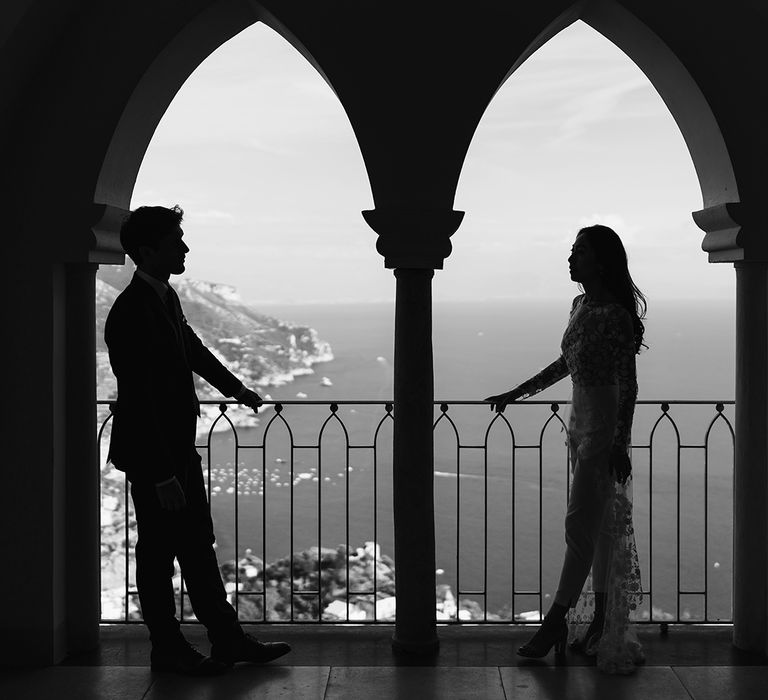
[[309, 476]]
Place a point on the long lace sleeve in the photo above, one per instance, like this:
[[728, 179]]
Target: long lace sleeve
[[621, 338], [552, 373], [546, 378]]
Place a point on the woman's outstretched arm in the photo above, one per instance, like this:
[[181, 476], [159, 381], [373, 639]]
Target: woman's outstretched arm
[[551, 374]]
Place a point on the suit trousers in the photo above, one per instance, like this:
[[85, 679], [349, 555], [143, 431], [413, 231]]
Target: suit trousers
[[186, 535]]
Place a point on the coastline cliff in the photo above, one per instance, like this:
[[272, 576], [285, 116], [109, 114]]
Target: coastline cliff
[[260, 350]]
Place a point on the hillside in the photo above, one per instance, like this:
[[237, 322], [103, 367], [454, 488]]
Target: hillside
[[260, 350]]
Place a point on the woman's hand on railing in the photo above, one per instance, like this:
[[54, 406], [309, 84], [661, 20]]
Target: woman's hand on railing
[[619, 465], [499, 401]]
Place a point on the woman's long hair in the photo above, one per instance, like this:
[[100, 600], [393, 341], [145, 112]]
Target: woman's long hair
[[612, 257]]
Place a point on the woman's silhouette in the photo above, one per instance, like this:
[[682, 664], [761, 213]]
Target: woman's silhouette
[[604, 334]]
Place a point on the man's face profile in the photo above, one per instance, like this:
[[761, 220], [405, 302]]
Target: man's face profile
[[168, 257]]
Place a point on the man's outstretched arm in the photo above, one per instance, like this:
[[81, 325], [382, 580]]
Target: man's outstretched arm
[[207, 365]]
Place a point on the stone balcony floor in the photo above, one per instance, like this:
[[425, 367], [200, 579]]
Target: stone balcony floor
[[357, 662]]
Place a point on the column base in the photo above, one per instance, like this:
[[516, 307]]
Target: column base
[[412, 647]]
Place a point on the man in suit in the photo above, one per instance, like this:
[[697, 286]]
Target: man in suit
[[153, 353]]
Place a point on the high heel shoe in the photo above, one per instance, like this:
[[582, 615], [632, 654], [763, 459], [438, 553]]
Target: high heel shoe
[[586, 645], [550, 635]]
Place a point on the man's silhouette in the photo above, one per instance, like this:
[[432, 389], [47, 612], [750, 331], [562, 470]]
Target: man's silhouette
[[153, 353]]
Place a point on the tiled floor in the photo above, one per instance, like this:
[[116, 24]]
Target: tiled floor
[[357, 662]]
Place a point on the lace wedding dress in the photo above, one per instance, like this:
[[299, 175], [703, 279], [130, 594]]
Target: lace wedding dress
[[598, 351]]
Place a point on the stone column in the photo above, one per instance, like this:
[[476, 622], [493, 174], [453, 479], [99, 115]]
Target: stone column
[[733, 236], [82, 464], [413, 463], [414, 243], [32, 499], [750, 524]]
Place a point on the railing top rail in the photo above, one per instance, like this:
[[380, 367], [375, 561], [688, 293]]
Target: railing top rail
[[672, 402], [452, 402]]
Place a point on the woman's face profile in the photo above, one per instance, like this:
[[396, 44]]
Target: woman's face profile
[[582, 261]]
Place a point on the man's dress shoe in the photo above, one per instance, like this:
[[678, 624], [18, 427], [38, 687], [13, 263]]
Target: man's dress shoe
[[249, 649], [185, 660]]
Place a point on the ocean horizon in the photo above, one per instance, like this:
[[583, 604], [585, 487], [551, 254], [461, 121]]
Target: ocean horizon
[[482, 348]]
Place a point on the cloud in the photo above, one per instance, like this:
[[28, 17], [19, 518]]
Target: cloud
[[628, 232], [268, 147], [576, 81], [593, 107], [210, 216]]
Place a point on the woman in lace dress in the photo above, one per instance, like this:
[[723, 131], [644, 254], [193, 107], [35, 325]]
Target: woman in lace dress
[[604, 334]]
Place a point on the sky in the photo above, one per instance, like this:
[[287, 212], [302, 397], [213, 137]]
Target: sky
[[258, 151]]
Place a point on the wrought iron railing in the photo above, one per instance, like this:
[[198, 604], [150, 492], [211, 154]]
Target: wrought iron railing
[[295, 500]]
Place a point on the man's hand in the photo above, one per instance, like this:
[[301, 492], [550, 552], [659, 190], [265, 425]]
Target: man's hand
[[620, 465], [250, 399], [499, 401], [171, 495]]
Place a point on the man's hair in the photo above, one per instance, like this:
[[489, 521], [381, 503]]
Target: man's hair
[[146, 226]]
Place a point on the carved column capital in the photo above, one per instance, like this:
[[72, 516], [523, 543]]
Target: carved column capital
[[414, 238], [105, 235], [732, 234], [722, 241]]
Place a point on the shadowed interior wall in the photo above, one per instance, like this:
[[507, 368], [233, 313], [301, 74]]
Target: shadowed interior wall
[[84, 85]]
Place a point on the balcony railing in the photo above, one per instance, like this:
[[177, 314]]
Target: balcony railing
[[301, 500]]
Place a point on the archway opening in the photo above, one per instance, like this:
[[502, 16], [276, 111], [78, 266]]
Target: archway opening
[[258, 151], [578, 135]]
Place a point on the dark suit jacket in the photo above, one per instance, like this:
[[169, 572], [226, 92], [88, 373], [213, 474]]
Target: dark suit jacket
[[153, 357]]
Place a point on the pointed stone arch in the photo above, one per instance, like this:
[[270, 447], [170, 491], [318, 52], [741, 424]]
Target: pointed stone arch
[[680, 92], [149, 99], [678, 89], [716, 140], [155, 90]]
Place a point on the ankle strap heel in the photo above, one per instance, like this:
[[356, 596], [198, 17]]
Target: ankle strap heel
[[550, 634]]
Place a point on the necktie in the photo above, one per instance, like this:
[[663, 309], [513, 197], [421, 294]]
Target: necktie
[[171, 306]]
